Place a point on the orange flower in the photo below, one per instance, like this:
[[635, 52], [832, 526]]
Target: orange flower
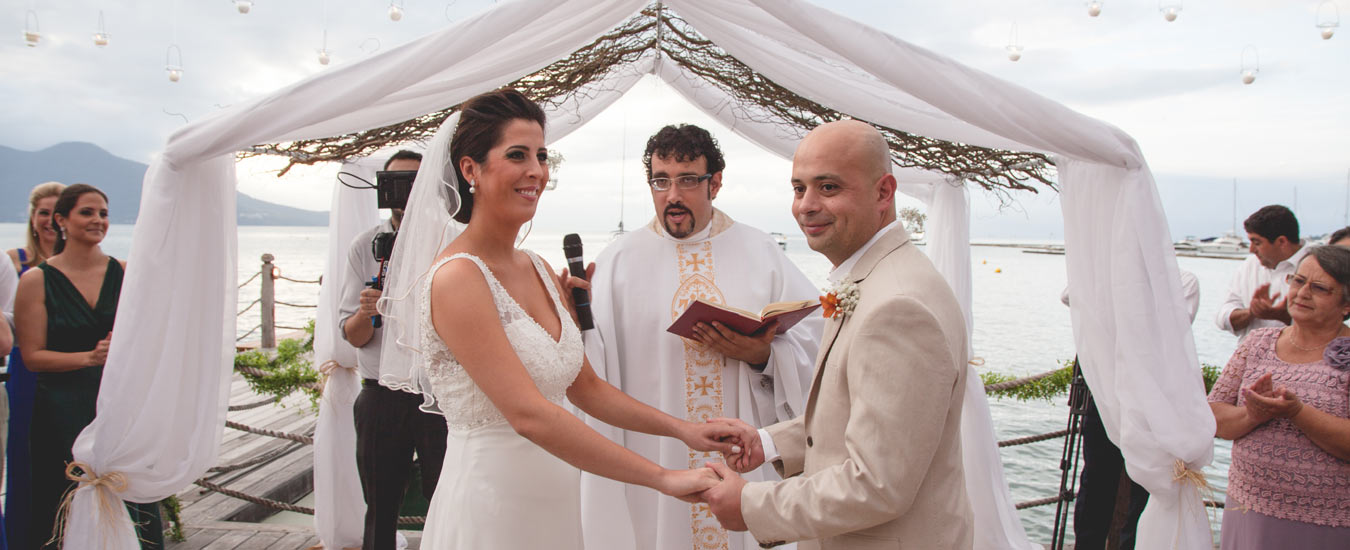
[[829, 305]]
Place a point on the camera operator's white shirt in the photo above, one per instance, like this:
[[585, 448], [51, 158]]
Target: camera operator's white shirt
[[361, 267]]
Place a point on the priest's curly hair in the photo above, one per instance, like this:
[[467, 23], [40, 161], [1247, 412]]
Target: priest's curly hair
[[684, 143]]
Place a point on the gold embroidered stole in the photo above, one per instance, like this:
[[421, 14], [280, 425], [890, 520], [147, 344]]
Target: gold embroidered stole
[[702, 375]]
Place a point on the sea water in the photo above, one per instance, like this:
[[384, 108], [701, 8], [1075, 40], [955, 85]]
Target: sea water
[[1021, 328]]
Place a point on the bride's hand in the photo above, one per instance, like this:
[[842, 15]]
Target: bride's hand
[[712, 436], [687, 485]]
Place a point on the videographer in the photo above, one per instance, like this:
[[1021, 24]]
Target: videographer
[[389, 424]]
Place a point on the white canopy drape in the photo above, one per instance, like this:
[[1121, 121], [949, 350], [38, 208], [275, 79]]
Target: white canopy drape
[[162, 411]]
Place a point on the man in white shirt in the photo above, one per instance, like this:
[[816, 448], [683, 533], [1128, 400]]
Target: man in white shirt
[[390, 426], [1256, 294]]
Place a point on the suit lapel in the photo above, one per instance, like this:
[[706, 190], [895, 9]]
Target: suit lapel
[[892, 240]]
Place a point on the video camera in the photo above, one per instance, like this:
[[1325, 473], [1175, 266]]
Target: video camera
[[392, 188]]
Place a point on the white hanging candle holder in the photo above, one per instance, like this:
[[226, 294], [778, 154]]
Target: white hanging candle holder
[[1094, 8], [1170, 9], [324, 54], [173, 62], [244, 6], [395, 10], [1328, 18], [1250, 64], [1014, 47], [101, 35], [31, 34]]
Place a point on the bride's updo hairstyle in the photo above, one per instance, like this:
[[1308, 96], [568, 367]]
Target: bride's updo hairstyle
[[481, 122]]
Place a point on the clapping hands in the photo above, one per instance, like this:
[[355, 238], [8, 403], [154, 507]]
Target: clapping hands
[[1264, 401]]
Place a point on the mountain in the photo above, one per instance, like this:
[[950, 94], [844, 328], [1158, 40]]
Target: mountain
[[119, 178]]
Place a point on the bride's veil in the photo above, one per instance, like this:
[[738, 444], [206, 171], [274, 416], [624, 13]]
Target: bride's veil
[[428, 227]]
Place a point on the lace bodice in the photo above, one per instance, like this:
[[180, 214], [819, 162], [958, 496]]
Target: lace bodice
[[552, 365]]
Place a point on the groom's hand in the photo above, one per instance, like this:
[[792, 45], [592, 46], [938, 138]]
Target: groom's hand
[[725, 498], [751, 453]]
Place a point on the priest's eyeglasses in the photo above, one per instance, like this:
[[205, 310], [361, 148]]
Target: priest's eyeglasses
[[1297, 281], [685, 182]]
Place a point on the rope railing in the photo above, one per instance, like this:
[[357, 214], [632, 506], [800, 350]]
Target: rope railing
[[260, 459], [298, 438], [250, 331], [250, 279], [1002, 386], [290, 328], [245, 407], [279, 505], [1033, 439], [314, 282], [248, 307], [250, 371], [1043, 501], [281, 303]]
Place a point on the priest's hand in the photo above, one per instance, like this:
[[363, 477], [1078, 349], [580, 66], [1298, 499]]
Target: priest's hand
[[725, 498], [753, 349], [751, 452]]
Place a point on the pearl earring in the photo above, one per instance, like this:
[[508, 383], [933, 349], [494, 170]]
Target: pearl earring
[[473, 187]]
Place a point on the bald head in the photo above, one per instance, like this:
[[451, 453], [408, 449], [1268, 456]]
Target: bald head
[[843, 188], [851, 141]]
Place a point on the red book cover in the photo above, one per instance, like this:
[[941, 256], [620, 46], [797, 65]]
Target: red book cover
[[786, 313]]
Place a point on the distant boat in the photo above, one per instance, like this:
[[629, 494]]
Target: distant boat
[[1229, 243], [781, 239], [615, 234]]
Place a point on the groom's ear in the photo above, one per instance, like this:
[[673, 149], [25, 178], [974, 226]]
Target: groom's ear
[[885, 192]]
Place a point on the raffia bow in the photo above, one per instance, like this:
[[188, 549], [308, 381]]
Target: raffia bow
[[326, 369], [1196, 480], [106, 487]]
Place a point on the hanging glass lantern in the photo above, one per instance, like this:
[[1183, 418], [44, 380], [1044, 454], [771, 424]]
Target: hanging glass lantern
[[1251, 65], [1094, 8], [101, 35], [395, 10], [1014, 48], [31, 34], [1328, 18], [323, 52], [173, 62], [244, 6], [1170, 9]]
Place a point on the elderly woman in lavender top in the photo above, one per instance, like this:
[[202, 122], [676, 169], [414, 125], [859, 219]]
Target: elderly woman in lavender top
[[1284, 400]]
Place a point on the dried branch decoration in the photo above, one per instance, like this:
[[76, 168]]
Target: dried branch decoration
[[657, 29]]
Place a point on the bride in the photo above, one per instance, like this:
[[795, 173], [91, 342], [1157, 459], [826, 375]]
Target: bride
[[501, 351]]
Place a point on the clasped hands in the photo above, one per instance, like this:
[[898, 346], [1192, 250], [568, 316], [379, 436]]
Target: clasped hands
[[1265, 401], [719, 484]]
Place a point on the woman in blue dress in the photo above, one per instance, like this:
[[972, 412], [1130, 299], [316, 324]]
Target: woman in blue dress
[[41, 239]]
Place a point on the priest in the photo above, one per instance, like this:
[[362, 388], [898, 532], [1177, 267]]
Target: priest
[[643, 282]]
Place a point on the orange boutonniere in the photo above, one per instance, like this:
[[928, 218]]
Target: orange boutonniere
[[840, 300]]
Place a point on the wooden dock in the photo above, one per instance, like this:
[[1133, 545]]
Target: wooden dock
[[260, 465]]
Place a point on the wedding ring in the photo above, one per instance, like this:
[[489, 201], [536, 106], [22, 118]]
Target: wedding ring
[[735, 449]]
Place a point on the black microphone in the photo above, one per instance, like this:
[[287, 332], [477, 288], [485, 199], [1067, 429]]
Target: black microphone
[[580, 298]]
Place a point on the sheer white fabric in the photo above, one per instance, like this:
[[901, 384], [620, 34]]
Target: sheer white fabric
[[553, 365], [174, 338], [339, 503], [498, 489]]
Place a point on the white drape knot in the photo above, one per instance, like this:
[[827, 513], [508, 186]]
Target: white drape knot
[[1196, 480], [327, 369], [106, 488]]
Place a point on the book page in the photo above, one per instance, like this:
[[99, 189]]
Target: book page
[[781, 307]]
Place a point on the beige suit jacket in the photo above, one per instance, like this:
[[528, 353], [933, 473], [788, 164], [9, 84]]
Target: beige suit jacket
[[875, 462]]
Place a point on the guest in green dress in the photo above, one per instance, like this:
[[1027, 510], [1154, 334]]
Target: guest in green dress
[[64, 313]]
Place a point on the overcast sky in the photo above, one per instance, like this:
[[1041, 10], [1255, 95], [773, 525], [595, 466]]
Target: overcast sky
[[1175, 87]]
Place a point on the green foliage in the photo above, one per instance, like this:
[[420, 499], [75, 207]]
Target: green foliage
[[1057, 384], [173, 511], [289, 368]]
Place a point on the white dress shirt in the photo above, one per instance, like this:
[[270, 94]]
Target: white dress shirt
[[1248, 277], [9, 283], [838, 273]]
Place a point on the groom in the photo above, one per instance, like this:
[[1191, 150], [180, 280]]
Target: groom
[[875, 462]]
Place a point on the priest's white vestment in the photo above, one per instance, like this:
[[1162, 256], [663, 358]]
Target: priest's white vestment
[[642, 283]]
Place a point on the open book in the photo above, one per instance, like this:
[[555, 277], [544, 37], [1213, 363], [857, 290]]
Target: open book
[[739, 320]]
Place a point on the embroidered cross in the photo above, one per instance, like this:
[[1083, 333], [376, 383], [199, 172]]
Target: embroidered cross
[[694, 262], [703, 384]]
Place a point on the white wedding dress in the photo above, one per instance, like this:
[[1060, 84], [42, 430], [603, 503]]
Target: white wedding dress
[[498, 490]]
